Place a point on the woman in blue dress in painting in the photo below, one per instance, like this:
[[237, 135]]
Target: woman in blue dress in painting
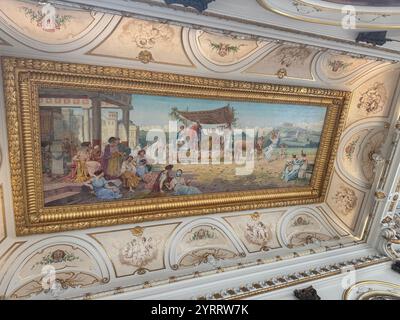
[[102, 189], [292, 168]]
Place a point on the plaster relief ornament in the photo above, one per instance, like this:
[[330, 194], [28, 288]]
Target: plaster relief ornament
[[306, 238], [291, 55], [57, 256], [351, 148], [345, 200], [145, 34], [145, 56], [257, 232], [47, 18], [301, 221], [374, 99], [338, 65], [140, 251], [281, 73], [305, 8], [224, 49], [203, 234]]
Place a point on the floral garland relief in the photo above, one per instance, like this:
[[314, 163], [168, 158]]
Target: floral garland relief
[[345, 200], [47, 18], [374, 99], [56, 256]]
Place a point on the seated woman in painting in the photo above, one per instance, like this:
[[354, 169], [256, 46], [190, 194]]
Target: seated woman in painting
[[128, 174], [112, 159], [182, 187], [102, 188], [143, 165], [85, 166], [162, 183], [292, 169]]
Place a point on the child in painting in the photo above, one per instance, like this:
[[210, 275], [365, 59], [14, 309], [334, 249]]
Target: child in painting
[[182, 187], [128, 174], [102, 189]]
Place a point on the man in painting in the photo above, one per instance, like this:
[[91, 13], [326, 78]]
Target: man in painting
[[163, 180], [195, 133], [112, 159]]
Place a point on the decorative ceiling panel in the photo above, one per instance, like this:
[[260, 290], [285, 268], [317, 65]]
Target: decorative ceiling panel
[[329, 13], [145, 41]]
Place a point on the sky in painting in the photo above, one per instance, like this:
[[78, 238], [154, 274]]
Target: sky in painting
[[153, 111]]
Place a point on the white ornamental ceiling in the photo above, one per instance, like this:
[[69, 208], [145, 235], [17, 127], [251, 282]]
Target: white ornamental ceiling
[[101, 37]]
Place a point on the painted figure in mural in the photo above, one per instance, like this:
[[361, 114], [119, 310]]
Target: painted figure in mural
[[195, 134], [95, 154], [259, 146], [123, 149], [112, 159], [128, 174], [180, 136], [156, 151], [283, 151], [85, 165], [143, 165], [182, 186], [292, 168], [304, 165], [103, 188], [163, 180], [46, 156], [80, 159], [273, 143]]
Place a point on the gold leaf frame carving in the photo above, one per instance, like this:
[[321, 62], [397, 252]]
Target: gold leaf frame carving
[[24, 77]]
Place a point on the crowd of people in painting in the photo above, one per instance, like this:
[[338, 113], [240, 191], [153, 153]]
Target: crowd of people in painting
[[107, 173], [117, 170]]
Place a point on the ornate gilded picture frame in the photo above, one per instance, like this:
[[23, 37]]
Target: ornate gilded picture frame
[[82, 144]]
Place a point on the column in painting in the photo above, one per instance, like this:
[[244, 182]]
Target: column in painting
[[86, 124], [96, 121], [125, 121]]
